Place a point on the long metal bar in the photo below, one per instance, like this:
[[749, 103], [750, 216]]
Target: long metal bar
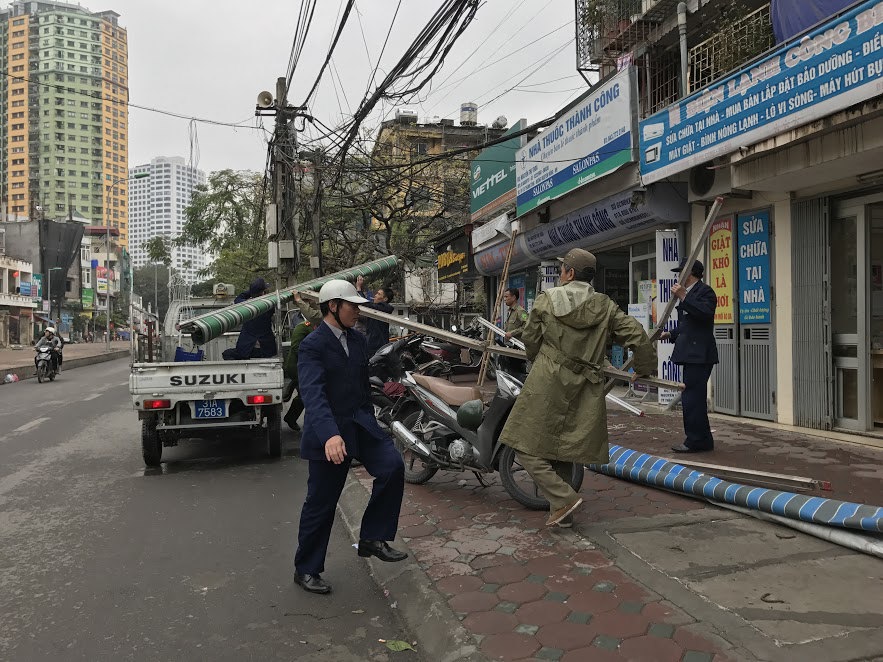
[[493, 327], [685, 272], [625, 405], [754, 477], [482, 372], [457, 339]]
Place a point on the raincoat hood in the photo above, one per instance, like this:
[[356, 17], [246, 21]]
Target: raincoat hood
[[576, 305]]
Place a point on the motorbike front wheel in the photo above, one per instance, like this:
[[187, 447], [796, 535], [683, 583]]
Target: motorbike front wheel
[[520, 486], [42, 372], [416, 471]]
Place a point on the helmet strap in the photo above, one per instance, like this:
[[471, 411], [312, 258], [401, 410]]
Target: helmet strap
[[336, 314]]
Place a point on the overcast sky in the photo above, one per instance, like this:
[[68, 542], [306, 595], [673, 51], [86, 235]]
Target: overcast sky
[[210, 58]]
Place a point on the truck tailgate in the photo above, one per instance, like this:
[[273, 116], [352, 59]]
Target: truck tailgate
[[205, 377]]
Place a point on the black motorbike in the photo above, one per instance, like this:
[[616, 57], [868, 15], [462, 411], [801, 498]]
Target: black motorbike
[[462, 360], [440, 425], [46, 362], [389, 365]]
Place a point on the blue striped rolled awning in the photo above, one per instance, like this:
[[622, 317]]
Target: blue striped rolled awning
[[655, 471]]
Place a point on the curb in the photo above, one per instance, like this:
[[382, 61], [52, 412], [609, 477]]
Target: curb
[[438, 632], [27, 371]]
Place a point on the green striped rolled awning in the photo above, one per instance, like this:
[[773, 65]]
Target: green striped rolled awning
[[211, 325]]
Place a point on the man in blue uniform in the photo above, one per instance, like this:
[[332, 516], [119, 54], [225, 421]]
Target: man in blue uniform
[[339, 424], [696, 350], [256, 339]]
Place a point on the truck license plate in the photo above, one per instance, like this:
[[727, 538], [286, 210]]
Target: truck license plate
[[210, 409]]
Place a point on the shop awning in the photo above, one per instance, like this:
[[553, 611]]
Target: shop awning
[[211, 325], [610, 218]]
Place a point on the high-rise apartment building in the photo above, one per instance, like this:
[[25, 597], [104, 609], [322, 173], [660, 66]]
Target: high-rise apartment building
[[65, 120], [156, 208]]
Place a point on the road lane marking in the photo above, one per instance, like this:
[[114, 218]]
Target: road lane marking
[[32, 424], [91, 397]]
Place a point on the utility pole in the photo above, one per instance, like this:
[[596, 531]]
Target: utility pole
[[316, 260]]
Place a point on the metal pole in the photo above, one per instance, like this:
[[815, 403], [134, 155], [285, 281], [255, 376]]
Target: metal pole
[[682, 34], [107, 276]]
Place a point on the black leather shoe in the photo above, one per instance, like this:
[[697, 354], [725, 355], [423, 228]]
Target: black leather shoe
[[312, 583], [686, 449], [380, 549]]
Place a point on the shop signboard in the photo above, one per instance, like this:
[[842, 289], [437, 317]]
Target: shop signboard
[[88, 298], [590, 139], [754, 267], [667, 258], [720, 271], [610, 218], [37, 286], [102, 285], [454, 259], [835, 66], [492, 175], [24, 288]]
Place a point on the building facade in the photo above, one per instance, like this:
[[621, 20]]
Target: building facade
[[156, 209], [64, 105], [18, 300], [781, 116]]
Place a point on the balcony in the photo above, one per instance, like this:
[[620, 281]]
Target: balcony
[[16, 300], [608, 28], [739, 37]]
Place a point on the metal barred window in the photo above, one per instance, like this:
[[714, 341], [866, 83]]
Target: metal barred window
[[740, 39]]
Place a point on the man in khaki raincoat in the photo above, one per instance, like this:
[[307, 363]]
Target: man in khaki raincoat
[[560, 416]]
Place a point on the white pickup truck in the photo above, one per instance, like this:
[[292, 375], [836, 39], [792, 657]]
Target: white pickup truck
[[199, 398]]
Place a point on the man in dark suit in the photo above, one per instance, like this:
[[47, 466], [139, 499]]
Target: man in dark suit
[[339, 424], [695, 350]]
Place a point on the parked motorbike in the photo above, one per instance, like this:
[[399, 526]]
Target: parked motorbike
[[444, 426], [388, 366], [463, 361], [46, 365]]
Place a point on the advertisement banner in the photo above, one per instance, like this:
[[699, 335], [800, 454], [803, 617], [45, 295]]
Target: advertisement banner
[[88, 298], [667, 258], [754, 267], [835, 66], [37, 286], [102, 285], [453, 260], [647, 295], [592, 138], [720, 271], [492, 175]]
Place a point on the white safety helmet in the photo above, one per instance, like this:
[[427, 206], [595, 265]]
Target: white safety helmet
[[50, 329], [340, 289]]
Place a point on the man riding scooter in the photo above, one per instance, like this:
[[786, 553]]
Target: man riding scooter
[[49, 339]]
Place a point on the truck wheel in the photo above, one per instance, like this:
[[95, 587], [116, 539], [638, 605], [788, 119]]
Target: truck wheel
[[520, 486], [151, 445], [274, 431]]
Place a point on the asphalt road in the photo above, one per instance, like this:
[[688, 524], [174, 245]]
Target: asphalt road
[[101, 559]]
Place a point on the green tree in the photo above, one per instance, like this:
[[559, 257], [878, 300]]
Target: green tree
[[226, 216], [151, 283]]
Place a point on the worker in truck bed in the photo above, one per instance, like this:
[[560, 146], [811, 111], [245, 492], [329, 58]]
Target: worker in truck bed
[[256, 339]]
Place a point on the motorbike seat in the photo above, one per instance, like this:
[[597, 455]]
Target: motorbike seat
[[452, 394]]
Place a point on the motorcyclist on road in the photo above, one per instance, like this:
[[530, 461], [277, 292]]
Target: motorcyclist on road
[[49, 339]]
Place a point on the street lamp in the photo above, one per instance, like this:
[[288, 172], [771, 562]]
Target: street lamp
[[113, 184], [49, 297]]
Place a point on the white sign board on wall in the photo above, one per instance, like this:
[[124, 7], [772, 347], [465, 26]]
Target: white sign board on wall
[[668, 257]]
